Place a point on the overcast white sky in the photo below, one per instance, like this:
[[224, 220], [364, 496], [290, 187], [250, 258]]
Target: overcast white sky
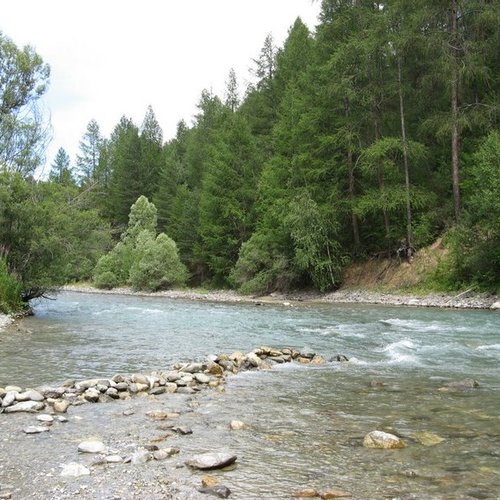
[[111, 58]]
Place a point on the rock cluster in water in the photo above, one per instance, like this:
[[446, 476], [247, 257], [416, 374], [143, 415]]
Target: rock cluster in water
[[186, 378]]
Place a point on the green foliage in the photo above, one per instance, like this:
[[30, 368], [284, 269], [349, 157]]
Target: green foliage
[[158, 266], [474, 245], [140, 259], [10, 290], [49, 234], [23, 133]]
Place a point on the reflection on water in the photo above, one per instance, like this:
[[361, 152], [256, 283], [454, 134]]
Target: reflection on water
[[307, 424]]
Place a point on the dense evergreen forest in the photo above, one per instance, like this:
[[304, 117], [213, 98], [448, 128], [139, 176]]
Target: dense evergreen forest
[[372, 136]]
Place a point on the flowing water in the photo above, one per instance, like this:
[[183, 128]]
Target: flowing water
[[307, 423]]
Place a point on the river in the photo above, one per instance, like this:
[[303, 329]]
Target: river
[[307, 423]]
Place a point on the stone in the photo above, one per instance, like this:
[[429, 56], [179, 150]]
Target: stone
[[307, 352], [208, 461], [92, 446], [25, 396], [25, 406], [328, 494], [74, 470], [164, 453], [51, 392], [45, 418], [121, 386], [36, 429], [207, 481], [156, 391], [463, 385], [427, 438], [215, 369], [113, 459], [13, 388], [9, 398], [141, 457], [61, 419], [112, 392], [318, 360], [61, 406], [253, 359], [138, 378], [183, 430], [237, 425], [383, 440], [185, 390], [219, 491], [305, 493], [91, 395], [157, 415], [171, 387], [202, 378]]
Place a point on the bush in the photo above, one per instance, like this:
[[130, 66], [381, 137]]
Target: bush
[[106, 280], [158, 266], [10, 290]]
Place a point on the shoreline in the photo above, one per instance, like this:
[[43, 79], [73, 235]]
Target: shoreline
[[463, 300]]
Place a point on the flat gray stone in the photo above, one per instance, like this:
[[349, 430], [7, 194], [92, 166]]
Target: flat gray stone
[[207, 461], [25, 406], [91, 446], [35, 429]]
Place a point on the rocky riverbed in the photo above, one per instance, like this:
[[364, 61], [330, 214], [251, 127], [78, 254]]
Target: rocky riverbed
[[56, 444], [464, 300]]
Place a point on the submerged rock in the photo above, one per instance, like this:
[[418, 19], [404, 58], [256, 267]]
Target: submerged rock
[[209, 461], [218, 490], [460, 385], [427, 438], [383, 440]]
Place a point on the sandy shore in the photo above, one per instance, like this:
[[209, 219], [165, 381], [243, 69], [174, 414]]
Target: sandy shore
[[465, 300]]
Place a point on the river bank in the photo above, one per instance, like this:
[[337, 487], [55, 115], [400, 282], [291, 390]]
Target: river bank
[[464, 300]]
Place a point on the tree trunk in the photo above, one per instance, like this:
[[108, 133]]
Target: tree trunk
[[455, 127], [405, 162], [350, 166], [380, 176]]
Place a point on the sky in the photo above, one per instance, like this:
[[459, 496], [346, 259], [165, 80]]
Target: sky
[[111, 58]]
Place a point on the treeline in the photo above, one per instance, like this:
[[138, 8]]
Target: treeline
[[373, 135]]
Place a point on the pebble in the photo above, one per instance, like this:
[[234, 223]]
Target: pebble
[[91, 446], [237, 425], [36, 429], [45, 418], [61, 406], [74, 469]]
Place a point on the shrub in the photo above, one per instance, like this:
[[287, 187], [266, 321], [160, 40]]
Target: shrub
[[10, 290], [158, 266]]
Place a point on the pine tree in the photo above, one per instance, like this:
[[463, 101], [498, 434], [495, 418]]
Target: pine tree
[[87, 161], [60, 170]]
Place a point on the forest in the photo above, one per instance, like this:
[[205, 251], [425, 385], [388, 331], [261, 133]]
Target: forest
[[372, 135]]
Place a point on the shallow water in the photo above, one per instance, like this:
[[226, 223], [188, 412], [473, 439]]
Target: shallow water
[[307, 424]]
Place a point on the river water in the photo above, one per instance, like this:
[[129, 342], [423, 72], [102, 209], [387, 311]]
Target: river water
[[307, 423]]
